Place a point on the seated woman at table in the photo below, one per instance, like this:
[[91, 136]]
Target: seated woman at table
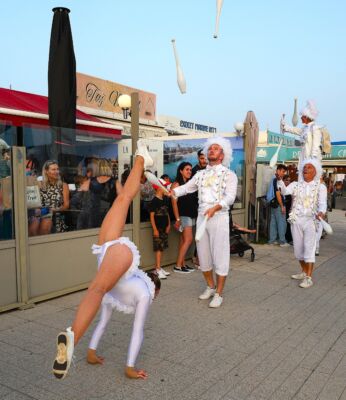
[[55, 198]]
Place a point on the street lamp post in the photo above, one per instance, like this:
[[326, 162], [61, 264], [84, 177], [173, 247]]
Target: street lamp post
[[130, 106]]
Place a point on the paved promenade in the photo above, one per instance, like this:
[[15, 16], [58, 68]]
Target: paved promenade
[[270, 340]]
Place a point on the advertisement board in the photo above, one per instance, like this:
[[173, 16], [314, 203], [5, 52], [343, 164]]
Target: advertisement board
[[184, 149], [103, 95]]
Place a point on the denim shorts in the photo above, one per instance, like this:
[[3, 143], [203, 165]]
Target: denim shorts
[[187, 221]]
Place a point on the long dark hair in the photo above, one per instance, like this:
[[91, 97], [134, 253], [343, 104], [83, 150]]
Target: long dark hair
[[179, 178], [153, 276]]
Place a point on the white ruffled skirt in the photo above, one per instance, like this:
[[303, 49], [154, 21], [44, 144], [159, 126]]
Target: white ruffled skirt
[[111, 297]]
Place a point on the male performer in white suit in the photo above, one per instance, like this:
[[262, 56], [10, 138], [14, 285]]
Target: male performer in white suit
[[310, 134], [309, 203], [217, 189]]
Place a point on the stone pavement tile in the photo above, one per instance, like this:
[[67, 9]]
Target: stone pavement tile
[[259, 290], [312, 387], [208, 361], [68, 301], [264, 267], [340, 345], [12, 350], [123, 391], [330, 362], [196, 389], [60, 319], [274, 380], [10, 320], [291, 385], [343, 395], [39, 311], [340, 370], [289, 364], [18, 396], [74, 386], [14, 377], [32, 329], [169, 378], [221, 388], [241, 277], [319, 352], [4, 390], [265, 378], [40, 393], [333, 389], [28, 362], [27, 342], [265, 390]]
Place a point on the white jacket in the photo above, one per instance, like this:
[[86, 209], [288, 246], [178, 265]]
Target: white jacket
[[311, 137]]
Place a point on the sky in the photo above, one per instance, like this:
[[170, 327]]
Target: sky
[[268, 52]]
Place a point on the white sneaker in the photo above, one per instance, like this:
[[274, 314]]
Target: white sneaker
[[300, 276], [161, 274], [307, 282], [142, 151], [285, 245], [216, 302], [165, 272], [209, 292], [65, 348]]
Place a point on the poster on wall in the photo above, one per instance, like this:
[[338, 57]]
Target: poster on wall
[[155, 148], [180, 150]]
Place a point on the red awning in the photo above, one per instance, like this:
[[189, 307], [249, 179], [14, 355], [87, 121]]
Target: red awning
[[21, 108]]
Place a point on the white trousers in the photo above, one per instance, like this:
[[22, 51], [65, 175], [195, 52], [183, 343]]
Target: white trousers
[[213, 248], [318, 234], [304, 239]]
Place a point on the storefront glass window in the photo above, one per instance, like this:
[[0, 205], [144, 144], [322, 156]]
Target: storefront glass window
[[72, 178], [7, 140]]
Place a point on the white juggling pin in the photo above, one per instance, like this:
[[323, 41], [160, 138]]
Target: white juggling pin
[[201, 229], [274, 159], [282, 124], [218, 13], [295, 118], [154, 180], [326, 226], [180, 75]]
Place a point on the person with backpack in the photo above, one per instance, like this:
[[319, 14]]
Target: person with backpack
[[278, 224]]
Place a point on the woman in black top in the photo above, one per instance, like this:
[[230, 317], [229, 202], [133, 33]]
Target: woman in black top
[[185, 212], [102, 192]]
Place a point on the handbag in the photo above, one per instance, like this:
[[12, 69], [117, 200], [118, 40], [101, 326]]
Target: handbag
[[33, 198]]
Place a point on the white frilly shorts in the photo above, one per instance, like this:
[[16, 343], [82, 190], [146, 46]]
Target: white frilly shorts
[[118, 295]]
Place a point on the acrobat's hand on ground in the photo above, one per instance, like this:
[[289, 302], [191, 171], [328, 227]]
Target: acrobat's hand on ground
[[133, 373], [93, 358]]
